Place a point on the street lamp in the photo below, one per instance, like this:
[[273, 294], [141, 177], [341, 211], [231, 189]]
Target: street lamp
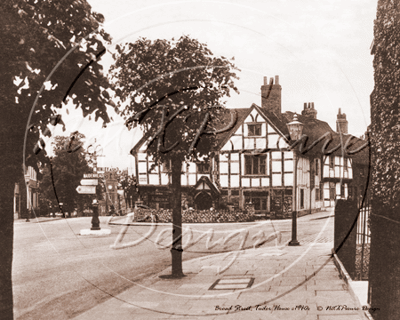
[[295, 130]]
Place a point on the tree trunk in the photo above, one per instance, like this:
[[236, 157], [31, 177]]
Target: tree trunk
[[176, 250], [6, 242]]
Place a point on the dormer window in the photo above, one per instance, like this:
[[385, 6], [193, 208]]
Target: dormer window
[[254, 129]]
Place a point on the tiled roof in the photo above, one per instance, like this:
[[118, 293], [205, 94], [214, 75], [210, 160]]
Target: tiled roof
[[313, 129], [223, 138], [341, 144]]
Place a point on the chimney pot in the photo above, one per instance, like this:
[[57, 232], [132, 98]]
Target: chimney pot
[[271, 95], [309, 110], [341, 122]]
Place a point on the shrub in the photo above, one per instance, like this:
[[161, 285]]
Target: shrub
[[195, 216]]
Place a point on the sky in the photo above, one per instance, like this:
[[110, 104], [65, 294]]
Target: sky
[[319, 48]]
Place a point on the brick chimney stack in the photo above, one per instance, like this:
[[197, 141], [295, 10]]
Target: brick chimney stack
[[341, 123], [309, 110], [271, 95]]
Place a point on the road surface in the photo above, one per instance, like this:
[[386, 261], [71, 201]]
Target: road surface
[[58, 274]]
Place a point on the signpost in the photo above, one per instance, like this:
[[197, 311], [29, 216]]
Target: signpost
[[90, 175], [86, 189], [89, 182]]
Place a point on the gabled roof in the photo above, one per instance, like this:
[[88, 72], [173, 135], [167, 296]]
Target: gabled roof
[[224, 137], [221, 138], [204, 179], [318, 132], [139, 144]]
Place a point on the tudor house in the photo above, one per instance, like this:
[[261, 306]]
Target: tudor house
[[253, 164]]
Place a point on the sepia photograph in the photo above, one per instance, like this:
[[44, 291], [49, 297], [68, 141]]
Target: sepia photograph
[[200, 159]]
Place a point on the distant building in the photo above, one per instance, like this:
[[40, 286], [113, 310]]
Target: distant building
[[111, 196], [26, 196], [254, 164]]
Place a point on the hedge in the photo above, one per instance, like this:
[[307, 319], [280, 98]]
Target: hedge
[[195, 216]]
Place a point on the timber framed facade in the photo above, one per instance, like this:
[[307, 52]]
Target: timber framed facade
[[253, 163]]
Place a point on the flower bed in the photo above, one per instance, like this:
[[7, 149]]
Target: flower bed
[[194, 216]]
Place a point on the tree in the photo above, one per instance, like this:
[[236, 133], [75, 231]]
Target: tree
[[384, 274], [63, 173], [38, 40], [174, 90]]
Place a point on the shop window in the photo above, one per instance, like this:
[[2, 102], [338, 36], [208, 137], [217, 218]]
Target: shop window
[[254, 129], [255, 164], [259, 203]]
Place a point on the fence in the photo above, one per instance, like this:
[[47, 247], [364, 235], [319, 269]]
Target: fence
[[363, 240], [363, 231]]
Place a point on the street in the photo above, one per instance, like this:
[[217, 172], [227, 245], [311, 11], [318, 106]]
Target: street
[[58, 274]]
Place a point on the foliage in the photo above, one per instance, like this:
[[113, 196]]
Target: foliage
[[362, 274], [36, 36], [172, 86], [59, 182], [385, 109], [384, 267], [173, 89], [195, 216]]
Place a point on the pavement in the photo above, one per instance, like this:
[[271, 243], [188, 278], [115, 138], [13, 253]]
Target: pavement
[[268, 282]]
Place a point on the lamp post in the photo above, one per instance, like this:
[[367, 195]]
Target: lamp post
[[94, 148], [95, 217], [295, 130], [28, 197]]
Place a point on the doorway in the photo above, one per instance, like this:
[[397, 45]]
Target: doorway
[[203, 201]]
